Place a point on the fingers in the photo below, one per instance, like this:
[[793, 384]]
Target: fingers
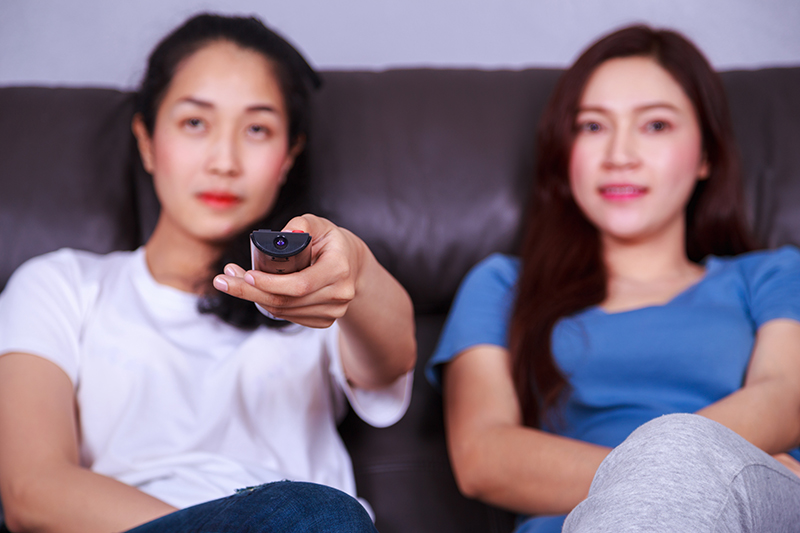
[[274, 293], [235, 271], [286, 285], [315, 296], [311, 224], [317, 310], [294, 285], [317, 277], [232, 271], [331, 267], [293, 297], [789, 462]]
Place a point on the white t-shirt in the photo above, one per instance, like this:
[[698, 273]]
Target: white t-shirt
[[177, 403]]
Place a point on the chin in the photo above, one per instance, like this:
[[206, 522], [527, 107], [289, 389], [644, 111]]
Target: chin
[[218, 236], [625, 233]]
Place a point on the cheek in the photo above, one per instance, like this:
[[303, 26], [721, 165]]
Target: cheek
[[580, 179], [173, 161], [677, 165], [680, 162], [273, 164], [266, 169]]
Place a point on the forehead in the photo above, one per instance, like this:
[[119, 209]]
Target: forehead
[[630, 82], [224, 73]]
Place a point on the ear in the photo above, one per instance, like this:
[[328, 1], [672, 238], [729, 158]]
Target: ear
[[705, 168], [143, 141], [295, 150]]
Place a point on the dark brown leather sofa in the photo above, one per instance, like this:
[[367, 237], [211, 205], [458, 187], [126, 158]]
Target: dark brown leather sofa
[[429, 167]]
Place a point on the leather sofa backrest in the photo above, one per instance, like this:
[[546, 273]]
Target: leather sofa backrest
[[430, 167], [65, 173]]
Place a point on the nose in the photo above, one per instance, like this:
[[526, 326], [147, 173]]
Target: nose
[[622, 150], [223, 156]]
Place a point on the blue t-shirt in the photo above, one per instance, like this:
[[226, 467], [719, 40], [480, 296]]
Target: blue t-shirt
[[627, 368]]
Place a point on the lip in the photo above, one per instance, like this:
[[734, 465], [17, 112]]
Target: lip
[[218, 199], [622, 191]]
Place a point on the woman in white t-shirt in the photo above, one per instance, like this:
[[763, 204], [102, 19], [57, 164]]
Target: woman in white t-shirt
[[144, 388]]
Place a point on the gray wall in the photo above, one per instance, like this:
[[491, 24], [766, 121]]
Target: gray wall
[[105, 42]]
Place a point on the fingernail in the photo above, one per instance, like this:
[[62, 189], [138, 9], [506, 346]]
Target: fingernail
[[230, 271], [248, 278], [220, 284]]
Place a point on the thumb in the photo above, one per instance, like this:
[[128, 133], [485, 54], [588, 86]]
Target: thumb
[[315, 226]]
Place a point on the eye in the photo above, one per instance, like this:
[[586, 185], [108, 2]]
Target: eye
[[194, 124], [657, 126], [258, 131], [590, 126]]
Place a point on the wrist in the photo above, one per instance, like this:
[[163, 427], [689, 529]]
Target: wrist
[[365, 267]]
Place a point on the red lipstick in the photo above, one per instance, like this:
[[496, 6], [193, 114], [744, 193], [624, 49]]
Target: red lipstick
[[219, 200]]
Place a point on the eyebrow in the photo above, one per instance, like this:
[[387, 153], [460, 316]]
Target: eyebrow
[[646, 107], [209, 105]]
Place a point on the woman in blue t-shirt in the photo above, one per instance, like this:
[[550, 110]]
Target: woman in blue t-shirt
[[627, 304]]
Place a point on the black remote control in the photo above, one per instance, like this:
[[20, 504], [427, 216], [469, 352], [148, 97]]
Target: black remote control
[[280, 252]]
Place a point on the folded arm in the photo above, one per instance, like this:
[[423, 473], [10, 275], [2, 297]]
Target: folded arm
[[42, 485], [766, 410], [498, 460]]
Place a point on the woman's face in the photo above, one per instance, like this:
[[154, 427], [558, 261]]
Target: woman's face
[[638, 151], [220, 146]]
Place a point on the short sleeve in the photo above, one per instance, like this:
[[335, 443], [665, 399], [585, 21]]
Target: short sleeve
[[378, 408], [480, 312], [774, 285], [40, 311]]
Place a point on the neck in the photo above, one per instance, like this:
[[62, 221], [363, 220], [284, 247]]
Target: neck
[[178, 259], [649, 259]]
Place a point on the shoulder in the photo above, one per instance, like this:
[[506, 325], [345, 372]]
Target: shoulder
[[480, 312], [784, 254], [496, 271], [487, 293], [769, 281], [500, 265], [65, 278], [44, 306], [70, 263], [54, 268], [755, 266]]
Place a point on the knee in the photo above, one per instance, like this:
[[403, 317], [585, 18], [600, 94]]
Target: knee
[[311, 495], [313, 507], [684, 445], [689, 434], [680, 429]]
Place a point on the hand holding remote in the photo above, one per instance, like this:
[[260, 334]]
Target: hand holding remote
[[314, 296]]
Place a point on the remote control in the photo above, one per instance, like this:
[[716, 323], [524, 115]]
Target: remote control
[[280, 252]]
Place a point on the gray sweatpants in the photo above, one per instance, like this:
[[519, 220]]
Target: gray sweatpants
[[686, 473]]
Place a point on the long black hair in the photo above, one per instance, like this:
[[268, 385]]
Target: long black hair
[[296, 79]]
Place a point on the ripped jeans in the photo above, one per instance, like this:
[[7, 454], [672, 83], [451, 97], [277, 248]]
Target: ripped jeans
[[282, 506]]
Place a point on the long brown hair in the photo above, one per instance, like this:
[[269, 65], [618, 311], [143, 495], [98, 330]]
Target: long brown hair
[[563, 271]]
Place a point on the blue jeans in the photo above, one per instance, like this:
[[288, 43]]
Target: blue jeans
[[283, 506]]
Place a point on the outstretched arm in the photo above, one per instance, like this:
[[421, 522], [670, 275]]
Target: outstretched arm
[[498, 460], [42, 485], [346, 283], [766, 410]]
